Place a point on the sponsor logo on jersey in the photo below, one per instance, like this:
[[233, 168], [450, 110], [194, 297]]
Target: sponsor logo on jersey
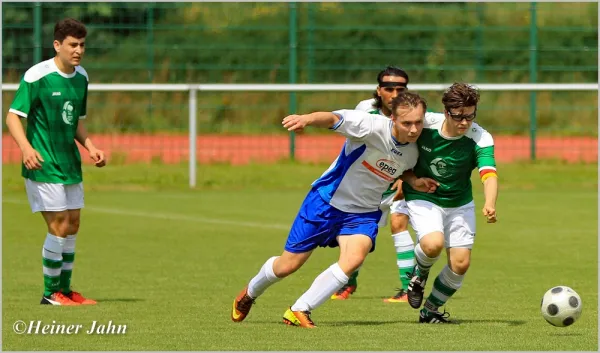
[[387, 166], [383, 168], [426, 148], [67, 113], [55, 94], [395, 151], [438, 167]]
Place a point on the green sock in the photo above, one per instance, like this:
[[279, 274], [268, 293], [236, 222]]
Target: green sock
[[52, 263], [444, 286], [68, 257], [405, 256], [65, 273]]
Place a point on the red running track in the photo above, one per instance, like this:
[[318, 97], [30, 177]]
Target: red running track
[[309, 148]]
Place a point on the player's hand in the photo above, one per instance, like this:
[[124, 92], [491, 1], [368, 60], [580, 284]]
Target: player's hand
[[398, 187], [490, 213], [98, 157], [295, 123], [32, 159], [427, 185]]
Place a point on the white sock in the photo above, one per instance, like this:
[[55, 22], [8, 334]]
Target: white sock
[[263, 280], [327, 283], [405, 250], [450, 278], [424, 262], [52, 257]]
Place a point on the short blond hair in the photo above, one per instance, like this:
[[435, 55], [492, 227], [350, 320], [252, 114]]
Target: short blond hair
[[411, 100]]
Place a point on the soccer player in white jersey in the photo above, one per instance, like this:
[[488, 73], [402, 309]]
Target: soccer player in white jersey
[[450, 147], [390, 82], [342, 207], [52, 96]]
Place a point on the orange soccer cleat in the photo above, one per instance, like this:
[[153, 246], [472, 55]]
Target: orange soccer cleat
[[241, 306], [80, 299]]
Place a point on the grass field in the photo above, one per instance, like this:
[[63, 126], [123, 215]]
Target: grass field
[[167, 262]]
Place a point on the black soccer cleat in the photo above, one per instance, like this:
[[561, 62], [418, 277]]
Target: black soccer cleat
[[434, 317], [415, 289]]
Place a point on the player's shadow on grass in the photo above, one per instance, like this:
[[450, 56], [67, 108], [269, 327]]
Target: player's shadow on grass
[[507, 322], [565, 334], [360, 323], [371, 297], [416, 322], [128, 300], [366, 297]]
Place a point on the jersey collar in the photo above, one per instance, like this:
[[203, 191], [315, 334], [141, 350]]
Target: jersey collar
[[447, 137], [65, 75]]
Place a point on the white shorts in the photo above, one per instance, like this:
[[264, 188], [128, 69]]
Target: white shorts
[[399, 207], [53, 197], [457, 223], [389, 206]]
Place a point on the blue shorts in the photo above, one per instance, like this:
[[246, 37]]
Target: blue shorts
[[318, 224]]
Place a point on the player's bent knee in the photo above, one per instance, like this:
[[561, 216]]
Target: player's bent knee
[[460, 268], [459, 265], [432, 244], [399, 223]]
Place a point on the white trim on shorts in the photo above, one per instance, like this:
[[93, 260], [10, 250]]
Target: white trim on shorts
[[53, 197]]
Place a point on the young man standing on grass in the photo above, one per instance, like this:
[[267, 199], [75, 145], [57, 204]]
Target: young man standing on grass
[[52, 96], [450, 147], [336, 212], [390, 82]]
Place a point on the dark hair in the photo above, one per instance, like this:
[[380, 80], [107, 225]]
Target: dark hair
[[388, 71], [460, 95], [69, 27], [409, 100]]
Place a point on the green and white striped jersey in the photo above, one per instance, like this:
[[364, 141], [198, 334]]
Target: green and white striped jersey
[[450, 161]]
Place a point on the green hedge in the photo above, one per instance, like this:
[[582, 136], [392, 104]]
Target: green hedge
[[336, 43]]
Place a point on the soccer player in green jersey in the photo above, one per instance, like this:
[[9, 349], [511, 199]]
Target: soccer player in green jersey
[[52, 96], [450, 147], [391, 81]]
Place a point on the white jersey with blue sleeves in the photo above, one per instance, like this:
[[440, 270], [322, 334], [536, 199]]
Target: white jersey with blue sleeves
[[370, 160]]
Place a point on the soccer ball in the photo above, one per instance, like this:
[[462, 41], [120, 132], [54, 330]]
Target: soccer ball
[[561, 306]]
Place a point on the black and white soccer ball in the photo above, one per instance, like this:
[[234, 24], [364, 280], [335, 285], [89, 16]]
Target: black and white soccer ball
[[561, 306]]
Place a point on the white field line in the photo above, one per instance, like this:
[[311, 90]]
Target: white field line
[[174, 217]]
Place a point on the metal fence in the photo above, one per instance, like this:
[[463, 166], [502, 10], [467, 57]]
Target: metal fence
[[237, 43], [315, 42]]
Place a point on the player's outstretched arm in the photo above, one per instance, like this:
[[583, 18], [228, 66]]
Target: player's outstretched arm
[[318, 119], [81, 135], [490, 191], [31, 158]]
